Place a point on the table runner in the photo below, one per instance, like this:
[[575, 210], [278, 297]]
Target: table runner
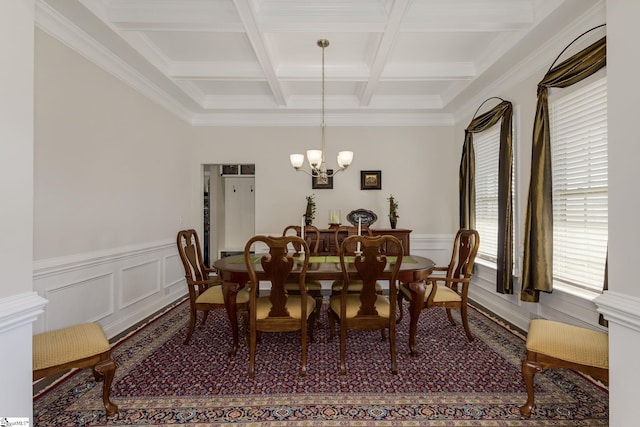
[[255, 259]]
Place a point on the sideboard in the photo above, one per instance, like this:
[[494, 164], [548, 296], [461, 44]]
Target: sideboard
[[328, 242]]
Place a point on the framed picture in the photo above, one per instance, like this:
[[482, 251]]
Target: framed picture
[[371, 180], [247, 169], [322, 185], [229, 169]]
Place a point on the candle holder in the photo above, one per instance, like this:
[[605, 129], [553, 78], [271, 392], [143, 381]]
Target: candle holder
[[334, 219]]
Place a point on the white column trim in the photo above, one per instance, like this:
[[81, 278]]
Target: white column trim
[[19, 310], [620, 309]]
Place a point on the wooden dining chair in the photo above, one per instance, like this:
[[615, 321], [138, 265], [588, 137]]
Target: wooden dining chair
[[277, 310], [314, 287], [367, 309], [451, 294], [340, 235], [311, 234], [208, 293]]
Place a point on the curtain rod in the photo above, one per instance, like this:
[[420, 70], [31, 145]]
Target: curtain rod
[[572, 42], [483, 102]]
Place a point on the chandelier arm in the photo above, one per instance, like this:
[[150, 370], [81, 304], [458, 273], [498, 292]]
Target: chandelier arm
[[337, 170], [314, 172]]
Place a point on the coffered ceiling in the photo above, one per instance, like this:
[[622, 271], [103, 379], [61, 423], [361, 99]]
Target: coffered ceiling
[[256, 62]]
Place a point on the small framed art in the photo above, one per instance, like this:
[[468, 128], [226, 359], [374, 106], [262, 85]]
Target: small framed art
[[371, 180], [318, 185]]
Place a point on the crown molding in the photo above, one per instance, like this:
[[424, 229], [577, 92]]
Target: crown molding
[[536, 62], [280, 118], [60, 28]]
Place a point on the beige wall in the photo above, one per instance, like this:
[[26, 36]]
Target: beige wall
[[113, 170], [418, 164], [16, 145], [110, 166]]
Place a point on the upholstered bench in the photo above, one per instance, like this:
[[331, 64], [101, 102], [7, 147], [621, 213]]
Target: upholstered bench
[[80, 346], [558, 345]]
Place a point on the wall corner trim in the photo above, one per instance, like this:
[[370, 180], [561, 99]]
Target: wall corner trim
[[20, 309], [620, 309]]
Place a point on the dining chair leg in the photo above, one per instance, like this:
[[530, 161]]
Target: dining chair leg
[[303, 362], [311, 323], [415, 308], [450, 317], [204, 319], [230, 292], [332, 324], [392, 345], [343, 345], [252, 352], [400, 298], [465, 322], [192, 325], [317, 310]]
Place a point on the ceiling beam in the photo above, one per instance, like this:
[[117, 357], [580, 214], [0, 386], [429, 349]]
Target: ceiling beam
[[258, 43], [396, 15]]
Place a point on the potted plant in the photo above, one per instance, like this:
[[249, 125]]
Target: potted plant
[[310, 213], [393, 211]]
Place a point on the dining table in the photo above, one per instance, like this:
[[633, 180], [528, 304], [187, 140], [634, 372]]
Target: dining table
[[233, 271]]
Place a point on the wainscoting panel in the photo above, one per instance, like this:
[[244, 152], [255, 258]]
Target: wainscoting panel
[[174, 272], [436, 247], [95, 294], [116, 288], [139, 282]]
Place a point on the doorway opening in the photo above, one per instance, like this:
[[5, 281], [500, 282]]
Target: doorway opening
[[229, 209]]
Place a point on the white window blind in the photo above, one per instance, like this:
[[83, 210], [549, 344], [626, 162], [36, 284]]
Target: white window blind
[[487, 150], [580, 185]]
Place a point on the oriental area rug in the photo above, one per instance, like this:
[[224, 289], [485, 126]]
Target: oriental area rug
[[452, 382]]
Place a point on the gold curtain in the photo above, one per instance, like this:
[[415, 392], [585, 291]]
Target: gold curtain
[[504, 111], [605, 287], [537, 264]]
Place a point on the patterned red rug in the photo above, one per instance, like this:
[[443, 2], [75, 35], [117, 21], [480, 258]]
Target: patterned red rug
[[161, 382]]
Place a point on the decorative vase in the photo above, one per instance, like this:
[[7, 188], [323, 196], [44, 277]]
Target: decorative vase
[[307, 220], [393, 222]]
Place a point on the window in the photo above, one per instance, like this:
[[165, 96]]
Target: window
[[578, 123], [487, 148]]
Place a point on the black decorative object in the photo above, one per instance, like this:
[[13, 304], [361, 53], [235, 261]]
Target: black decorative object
[[365, 216]]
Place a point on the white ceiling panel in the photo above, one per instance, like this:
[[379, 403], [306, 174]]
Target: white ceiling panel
[[257, 62]]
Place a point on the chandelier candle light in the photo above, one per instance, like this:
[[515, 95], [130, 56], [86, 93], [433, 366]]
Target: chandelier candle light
[[316, 157]]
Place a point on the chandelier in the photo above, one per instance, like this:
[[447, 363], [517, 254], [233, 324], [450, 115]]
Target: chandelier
[[316, 157]]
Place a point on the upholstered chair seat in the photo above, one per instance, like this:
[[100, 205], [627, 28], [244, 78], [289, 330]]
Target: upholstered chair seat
[[214, 295], [293, 305], [353, 305], [79, 346], [355, 286], [552, 344]]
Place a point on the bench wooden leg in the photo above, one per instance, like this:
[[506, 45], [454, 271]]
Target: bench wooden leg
[[529, 369], [104, 371]]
